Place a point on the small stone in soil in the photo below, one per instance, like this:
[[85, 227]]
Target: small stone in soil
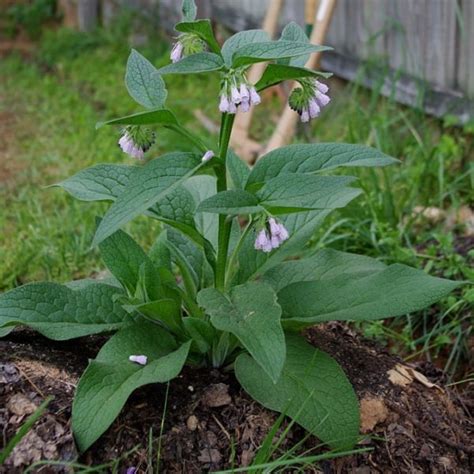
[[217, 395], [192, 423], [210, 456]]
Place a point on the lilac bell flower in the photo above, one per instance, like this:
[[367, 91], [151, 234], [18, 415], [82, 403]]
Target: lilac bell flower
[[130, 147], [177, 52], [207, 156], [272, 238], [138, 359], [242, 96]]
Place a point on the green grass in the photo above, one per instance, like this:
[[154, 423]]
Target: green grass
[[51, 102]]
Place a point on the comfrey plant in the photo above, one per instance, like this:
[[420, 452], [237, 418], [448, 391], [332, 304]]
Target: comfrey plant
[[221, 286]]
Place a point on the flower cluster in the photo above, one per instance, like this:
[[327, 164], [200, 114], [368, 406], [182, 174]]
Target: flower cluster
[[135, 141], [309, 99], [186, 44], [271, 237], [237, 94]]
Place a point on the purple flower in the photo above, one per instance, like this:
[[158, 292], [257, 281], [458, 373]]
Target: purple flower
[[176, 52], [244, 92], [321, 87], [138, 359], [304, 115], [224, 103], [313, 108], [272, 238], [235, 95], [131, 470], [254, 97], [128, 146], [263, 241], [207, 156]]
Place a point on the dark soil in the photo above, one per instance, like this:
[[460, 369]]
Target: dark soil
[[411, 425]]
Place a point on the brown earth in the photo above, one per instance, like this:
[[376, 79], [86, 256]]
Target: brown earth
[[411, 424]]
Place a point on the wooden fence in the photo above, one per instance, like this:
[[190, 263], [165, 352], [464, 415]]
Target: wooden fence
[[419, 51]]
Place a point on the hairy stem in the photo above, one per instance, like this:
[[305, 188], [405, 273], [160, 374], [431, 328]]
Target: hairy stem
[[225, 223]]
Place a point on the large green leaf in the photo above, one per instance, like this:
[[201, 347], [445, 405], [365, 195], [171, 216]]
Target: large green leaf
[[98, 183], [276, 73], [240, 39], [267, 50], [313, 390], [160, 117], [110, 379], [311, 158], [147, 186], [251, 313], [195, 63], [61, 313], [389, 291], [231, 202], [306, 191], [201, 28], [143, 84], [324, 265]]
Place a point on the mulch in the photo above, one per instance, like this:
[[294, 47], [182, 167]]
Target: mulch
[[411, 421]]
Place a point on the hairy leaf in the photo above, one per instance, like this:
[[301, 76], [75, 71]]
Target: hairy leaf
[[98, 183], [276, 73], [195, 63], [267, 50], [324, 265], [311, 158], [61, 313], [160, 117], [231, 202], [146, 87], [294, 32], [313, 390], [391, 291], [240, 39], [147, 186], [251, 313], [238, 170], [189, 10], [110, 379]]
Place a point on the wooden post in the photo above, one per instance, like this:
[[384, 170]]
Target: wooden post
[[87, 14], [245, 147], [286, 126]]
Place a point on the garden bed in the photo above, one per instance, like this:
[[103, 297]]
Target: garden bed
[[411, 425]]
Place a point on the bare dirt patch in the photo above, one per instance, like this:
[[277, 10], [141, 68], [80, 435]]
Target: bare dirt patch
[[413, 427]]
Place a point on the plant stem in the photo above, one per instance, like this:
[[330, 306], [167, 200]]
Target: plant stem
[[225, 223]]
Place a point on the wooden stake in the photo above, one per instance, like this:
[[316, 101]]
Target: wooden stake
[[286, 126], [245, 147]]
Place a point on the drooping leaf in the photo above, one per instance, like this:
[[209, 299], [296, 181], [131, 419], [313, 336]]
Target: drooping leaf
[[98, 183], [391, 291], [189, 10], [231, 202], [240, 39], [238, 170], [160, 117], [110, 379], [267, 50], [324, 265], [167, 311], [313, 390], [251, 313], [276, 73], [201, 28], [60, 313], [311, 158], [195, 63], [147, 186], [143, 84]]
